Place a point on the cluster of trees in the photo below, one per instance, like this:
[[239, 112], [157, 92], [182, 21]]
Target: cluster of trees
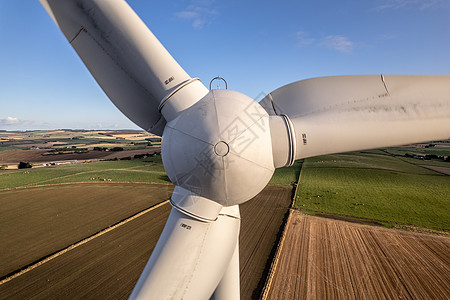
[[428, 157], [136, 156], [24, 165], [107, 149], [146, 155], [66, 150]]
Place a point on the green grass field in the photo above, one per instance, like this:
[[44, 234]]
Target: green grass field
[[136, 170], [287, 175], [8, 148], [375, 186]]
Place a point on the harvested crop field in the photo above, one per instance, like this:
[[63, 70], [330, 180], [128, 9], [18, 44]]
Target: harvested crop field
[[108, 266], [330, 259], [38, 221]]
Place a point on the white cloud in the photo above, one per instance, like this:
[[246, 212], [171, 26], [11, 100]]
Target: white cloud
[[198, 23], [188, 15], [9, 121], [398, 4], [13, 123], [387, 37], [303, 39], [337, 42], [199, 13], [333, 42]]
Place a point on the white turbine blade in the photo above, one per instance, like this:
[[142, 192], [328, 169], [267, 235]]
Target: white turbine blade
[[190, 258], [129, 63], [229, 286], [349, 113]]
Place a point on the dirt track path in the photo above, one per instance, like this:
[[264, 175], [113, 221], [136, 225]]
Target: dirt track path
[[323, 258]]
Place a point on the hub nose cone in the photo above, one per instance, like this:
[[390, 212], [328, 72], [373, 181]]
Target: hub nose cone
[[220, 148]]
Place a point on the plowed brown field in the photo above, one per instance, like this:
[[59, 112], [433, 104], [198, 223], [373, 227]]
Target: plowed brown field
[[34, 156], [330, 259], [42, 155], [38, 221], [261, 220], [108, 266]]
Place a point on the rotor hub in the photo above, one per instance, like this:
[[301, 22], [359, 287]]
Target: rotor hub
[[220, 148]]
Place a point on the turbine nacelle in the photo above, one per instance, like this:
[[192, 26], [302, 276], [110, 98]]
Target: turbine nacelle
[[222, 155]]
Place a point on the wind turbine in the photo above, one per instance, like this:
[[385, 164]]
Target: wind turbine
[[220, 147]]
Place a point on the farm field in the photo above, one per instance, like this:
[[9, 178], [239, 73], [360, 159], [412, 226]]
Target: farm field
[[69, 138], [45, 210], [375, 186], [65, 204], [11, 158], [330, 259], [36, 222], [441, 148], [262, 218], [287, 175], [108, 266], [136, 170], [146, 170], [61, 145]]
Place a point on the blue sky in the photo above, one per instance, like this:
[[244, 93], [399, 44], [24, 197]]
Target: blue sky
[[257, 46]]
